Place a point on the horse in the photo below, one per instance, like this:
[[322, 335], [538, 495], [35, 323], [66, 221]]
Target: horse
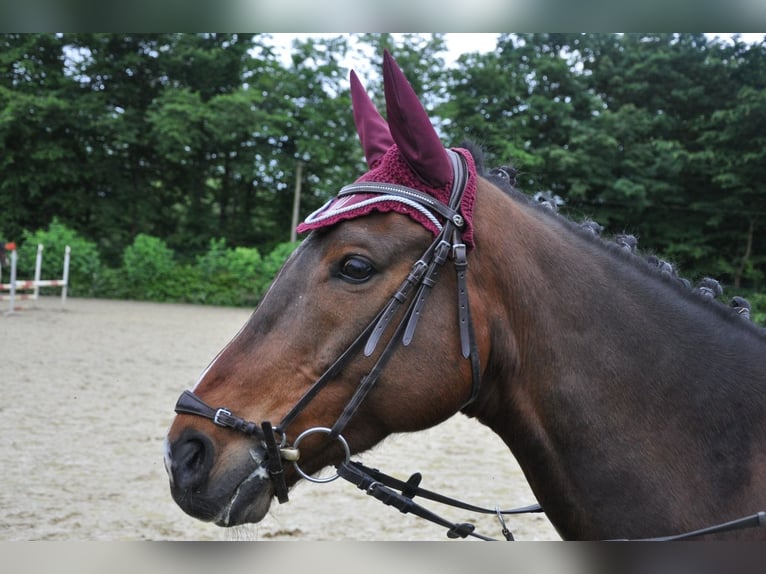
[[634, 405]]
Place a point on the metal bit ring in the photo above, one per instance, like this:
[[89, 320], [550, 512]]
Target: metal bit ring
[[325, 430]]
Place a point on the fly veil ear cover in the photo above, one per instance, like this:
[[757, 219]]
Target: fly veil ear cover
[[406, 151], [412, 131], [371, 128]]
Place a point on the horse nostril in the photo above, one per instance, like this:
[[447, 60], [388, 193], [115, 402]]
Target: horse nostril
[[191, 461]]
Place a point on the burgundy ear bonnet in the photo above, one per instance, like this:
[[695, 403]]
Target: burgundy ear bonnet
[[405, 151]]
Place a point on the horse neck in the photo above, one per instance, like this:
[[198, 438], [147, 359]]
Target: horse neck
[[591, 356]]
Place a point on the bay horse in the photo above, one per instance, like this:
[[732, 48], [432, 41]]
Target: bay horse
[[636, 407]]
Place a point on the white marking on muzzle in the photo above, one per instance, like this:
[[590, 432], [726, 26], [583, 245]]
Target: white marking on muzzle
[[259, 473]]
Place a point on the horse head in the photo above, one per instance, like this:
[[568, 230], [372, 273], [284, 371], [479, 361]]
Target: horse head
[[338, 354]]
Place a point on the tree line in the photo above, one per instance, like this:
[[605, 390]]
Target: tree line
[[196, 139]]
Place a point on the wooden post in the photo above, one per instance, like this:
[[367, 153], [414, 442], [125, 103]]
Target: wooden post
[[296, 200]]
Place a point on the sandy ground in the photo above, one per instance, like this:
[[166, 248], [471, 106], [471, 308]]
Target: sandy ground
[[88, 390]]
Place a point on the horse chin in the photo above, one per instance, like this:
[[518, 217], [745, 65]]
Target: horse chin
[[237, 495], [250, 501]]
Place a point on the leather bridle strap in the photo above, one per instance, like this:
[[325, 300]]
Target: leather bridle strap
[[757, 520], [423, 275], [411, 489], [368, 381], [327, 376], [381, 487], [190, 404], [274, 462], [403, 503], [372, 334]]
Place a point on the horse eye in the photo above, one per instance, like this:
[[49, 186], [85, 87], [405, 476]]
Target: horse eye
[[356, 269]]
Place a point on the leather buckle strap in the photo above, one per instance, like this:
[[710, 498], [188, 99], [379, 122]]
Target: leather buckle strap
[[274, 461], [400, 297], [411, 488], [223, 418], [190, 404], [355, 474]]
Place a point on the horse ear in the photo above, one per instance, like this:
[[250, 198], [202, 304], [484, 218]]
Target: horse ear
[[412, 129], [370, 126]]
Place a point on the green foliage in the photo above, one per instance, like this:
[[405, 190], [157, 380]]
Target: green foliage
[[84, 264], [236, 276], [277, 257], [150, 272], [758, 307], [660, 135], [194, 139], [229, 276]]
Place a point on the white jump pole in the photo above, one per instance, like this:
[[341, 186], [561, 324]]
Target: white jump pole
[[65, 276], [12, 295], [38, 269], [36, 283]]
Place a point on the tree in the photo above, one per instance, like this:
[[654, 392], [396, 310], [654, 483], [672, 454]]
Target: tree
[[631, 130], [732, 154], [40, 156], [117, 77], [197, 137]]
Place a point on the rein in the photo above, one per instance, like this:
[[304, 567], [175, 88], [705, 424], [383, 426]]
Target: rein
[[381, 487]]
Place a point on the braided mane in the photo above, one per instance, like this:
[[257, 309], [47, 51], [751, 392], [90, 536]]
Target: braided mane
[[707, 289]]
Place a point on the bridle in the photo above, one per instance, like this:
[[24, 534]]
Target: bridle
[[422, 277]]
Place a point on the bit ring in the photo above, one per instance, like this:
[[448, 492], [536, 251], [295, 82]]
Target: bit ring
[[325, 430]]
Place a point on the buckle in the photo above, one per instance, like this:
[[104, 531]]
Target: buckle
[[441, 252], [222, 418], [459, 254]]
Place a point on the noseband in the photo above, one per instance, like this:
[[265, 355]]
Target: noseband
[[422, 277]]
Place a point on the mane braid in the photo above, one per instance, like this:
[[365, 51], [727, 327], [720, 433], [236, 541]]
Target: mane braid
[[623, 247]]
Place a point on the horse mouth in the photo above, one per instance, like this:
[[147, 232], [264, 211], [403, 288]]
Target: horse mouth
[[249, 502], [238, 495]]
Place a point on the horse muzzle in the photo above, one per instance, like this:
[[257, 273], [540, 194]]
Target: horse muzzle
[[238, 493]]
